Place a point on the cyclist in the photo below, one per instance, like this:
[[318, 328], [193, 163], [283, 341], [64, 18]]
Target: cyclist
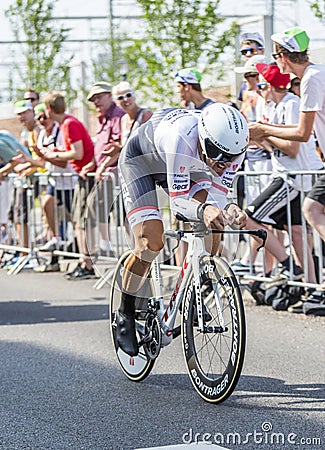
[[176, 149]]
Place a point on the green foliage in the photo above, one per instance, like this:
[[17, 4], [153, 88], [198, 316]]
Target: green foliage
[[41, 42], [176, 34], [106, 61], [318, 8]]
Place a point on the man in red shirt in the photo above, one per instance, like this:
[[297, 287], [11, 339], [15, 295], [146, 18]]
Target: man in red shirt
[[107, 151], [79, 151]]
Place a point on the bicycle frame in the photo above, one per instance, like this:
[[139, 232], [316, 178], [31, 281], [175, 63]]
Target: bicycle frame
[[167, 316], [196, 250]]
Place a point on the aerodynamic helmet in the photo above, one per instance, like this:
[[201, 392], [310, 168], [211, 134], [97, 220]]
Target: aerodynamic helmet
[[223, 132]]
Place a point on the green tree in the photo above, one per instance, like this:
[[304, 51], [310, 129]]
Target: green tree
[[41, 43], [176, 34], [106, 60], [318, 7]]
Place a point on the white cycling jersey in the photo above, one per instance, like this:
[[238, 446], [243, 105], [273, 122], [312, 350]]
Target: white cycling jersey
[[164, 151]]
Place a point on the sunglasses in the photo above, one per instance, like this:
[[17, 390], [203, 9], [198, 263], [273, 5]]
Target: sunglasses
[[122, 97], [295, 83], [217, 154], [251, 50], [277, 55], [262, 86], [42, 117], [32, 99], [251, 75]]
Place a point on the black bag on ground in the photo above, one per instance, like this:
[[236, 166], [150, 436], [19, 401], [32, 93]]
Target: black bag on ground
[[280, 295], [315, 305], [258, 292]]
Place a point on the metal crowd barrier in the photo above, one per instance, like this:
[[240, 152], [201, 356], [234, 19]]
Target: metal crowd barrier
[[318, 251], [26, 235], [104, 246]]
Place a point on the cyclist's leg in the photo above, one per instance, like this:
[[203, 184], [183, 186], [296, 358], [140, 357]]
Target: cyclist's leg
[[148, 238]]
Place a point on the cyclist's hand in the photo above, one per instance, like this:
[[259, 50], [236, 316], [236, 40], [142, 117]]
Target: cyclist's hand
[[236, 217], [213, 218]]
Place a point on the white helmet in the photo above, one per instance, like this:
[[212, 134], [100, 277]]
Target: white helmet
[[223, 132]]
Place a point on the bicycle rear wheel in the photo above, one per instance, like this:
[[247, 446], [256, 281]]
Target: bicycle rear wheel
[[136, 368], [215, 357]]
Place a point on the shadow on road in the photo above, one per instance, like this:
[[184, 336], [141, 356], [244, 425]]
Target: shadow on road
[[53, 399], [281, 395], [27, 312]]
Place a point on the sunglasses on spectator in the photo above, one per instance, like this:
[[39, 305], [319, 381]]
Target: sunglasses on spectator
[[277, 55], [42, 117], [252, 50], [251, 75], [122, 97], [295, 83], [32, 99], [263, 85]]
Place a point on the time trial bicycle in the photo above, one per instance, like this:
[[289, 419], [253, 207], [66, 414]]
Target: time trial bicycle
[[212, 323]]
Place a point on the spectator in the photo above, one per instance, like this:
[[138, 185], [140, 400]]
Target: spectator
[[270, 207], [33, 97], [291, 55], [107, 150], [18, 198], [257, 159], [8, 150], [135, 115], [189, 89], [58, 188], [251, 44], [78, 149], [294, 85], [25, 114]]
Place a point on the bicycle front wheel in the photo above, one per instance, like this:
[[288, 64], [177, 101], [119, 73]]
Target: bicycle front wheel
[[215, 356], [136, 368]]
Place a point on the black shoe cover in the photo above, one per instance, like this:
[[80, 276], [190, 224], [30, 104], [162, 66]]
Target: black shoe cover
[[125, 334]]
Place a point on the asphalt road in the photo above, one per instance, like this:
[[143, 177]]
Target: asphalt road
[[61, 387]]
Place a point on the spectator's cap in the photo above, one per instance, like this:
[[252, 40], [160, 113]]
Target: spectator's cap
[[294, 39], [189, 76], [257, 37], [250, 64], [99, 88], [39, 108], [22, 106], [272, 75]]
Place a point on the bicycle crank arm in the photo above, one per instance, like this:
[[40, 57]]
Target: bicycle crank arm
[[147, 338]]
